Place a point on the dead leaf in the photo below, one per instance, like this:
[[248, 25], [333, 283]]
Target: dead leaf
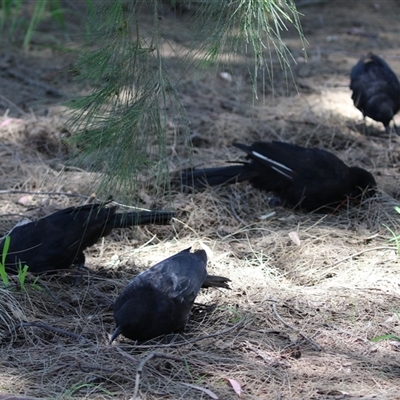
[[226, 76], [269, 215], [204, 390], [235, 386], [25, 200], [295, 238], [227, 229]]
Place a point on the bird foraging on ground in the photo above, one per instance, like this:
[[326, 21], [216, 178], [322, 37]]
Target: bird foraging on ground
[[302, 178], [57, 241], [158, 301], [376, 89]]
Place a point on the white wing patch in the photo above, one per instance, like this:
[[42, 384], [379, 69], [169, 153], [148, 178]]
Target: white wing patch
[[282, 173], [21, 223], [273, 162]]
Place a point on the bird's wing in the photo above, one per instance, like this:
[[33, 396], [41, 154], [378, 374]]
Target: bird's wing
[[296, 162], [39, 246], [372, 75], [54, 241], [179, 276], [355, 72]]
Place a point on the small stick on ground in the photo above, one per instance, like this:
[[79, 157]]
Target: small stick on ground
[[315, 345], [327, 270], [12, 191], [235, 214], [35, 83], [53, 296], [139, 370], [50, 328], [191, 341]]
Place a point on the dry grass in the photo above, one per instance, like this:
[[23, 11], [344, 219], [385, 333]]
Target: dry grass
[[307, 312], [302, 317]]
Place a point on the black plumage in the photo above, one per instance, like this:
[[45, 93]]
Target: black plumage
[[158, 301], [376, 89], [57, 241], [303, 178]]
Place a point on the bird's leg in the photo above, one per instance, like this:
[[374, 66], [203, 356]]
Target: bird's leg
[[395, 128], [78, 275], [80, 262], [365, 126], [389, 131]]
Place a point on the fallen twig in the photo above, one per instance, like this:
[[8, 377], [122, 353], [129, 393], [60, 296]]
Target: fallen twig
[[315, 345], [52, 295], [358, 254], [36, 83], [133, 360], [191, 341], [204, 390], [240, 220], [88, 367], [139, 369], [50, 328], [12, 191]]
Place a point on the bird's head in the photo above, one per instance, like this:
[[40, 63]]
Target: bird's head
[[363, 183], [381, 109], [128, 320]]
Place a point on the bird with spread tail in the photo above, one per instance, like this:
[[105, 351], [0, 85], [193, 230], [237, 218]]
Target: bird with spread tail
[[58, 241], [376, 90], [308, 179], [158, 301]]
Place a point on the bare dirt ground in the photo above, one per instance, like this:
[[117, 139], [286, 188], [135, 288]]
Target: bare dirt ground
[[299, 320]]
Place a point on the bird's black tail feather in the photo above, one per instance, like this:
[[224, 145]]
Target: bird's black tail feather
[[122, 220], [200, 178], [216, 281]]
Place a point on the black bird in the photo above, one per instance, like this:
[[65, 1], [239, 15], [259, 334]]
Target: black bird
[[57, 241], [376, 89], [303, 178], [158, 300]]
